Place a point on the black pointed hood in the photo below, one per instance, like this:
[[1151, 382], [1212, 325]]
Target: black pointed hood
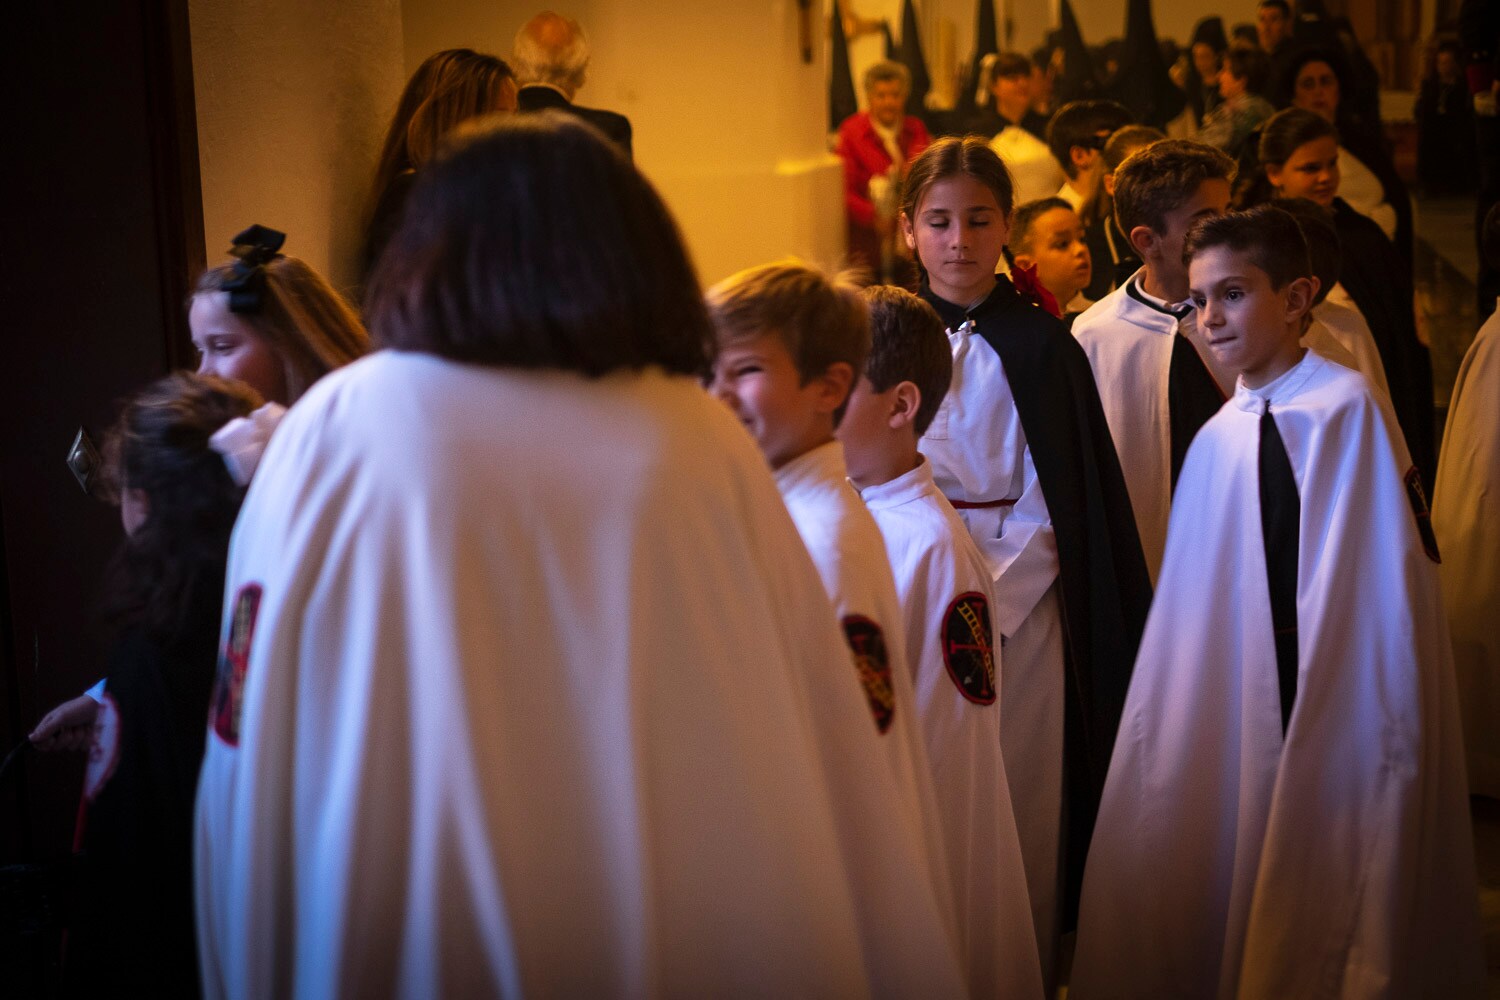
[[1078, 81], [909, 54], [986, 43], [841, 100], [1143, 85]]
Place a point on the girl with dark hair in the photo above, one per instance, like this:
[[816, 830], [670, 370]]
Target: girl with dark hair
[[179, 458], [529, 685], [1300, 158], [449, 87], [1021, 448], [1316, 80]]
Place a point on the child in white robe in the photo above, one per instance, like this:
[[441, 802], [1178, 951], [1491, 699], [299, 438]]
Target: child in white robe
[[1286, 813], [1155, 383], [944, 586], [1021, 449], [524, 683], [790, 345]]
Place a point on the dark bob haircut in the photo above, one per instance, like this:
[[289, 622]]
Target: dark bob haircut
[[1270, 236], [530, 242]]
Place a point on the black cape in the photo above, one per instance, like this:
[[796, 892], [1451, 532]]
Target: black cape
[[1104, 584], [133, 933], [1378, 281]]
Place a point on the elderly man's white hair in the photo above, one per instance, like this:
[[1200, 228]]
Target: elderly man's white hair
[[553, 49]]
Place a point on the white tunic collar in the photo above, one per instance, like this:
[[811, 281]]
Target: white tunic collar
[[1281, 388], [901, 490], [813, 470]]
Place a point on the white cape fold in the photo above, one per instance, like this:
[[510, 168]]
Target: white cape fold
[[544, 698]]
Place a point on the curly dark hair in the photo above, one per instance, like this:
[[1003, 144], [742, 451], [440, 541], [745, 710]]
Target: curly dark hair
[[160, 446]]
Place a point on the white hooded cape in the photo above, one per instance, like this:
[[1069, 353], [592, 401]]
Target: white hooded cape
[[1466, 517], [1339, 862], [943, 583], [536, 701]]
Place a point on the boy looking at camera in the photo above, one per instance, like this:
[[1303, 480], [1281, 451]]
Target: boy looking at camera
[[1287, 802]]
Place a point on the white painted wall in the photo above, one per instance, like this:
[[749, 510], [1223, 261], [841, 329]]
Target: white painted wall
[[293, 97]]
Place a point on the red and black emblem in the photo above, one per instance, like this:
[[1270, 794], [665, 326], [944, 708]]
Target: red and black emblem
[[874, 664], [969, 648], [229, 687], [1422, 513]]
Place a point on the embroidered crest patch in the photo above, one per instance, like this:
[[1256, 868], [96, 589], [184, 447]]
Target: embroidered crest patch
[[1422, 513], [969, 648], [874, 663], [104, 754], [229, 687]]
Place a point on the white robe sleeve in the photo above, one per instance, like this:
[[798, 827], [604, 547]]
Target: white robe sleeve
[[1023, 558]]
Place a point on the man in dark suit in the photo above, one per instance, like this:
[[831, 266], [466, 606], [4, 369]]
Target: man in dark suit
[[551, 61]]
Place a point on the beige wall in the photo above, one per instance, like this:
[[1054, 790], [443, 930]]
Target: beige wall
[[292, 99], [729, 122]]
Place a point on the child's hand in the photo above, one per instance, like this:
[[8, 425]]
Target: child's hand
[[69, 726]]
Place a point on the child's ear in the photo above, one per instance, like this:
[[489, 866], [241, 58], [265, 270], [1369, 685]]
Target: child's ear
[[1082, 158], [1299, 296], [1144, 240], [907, 234], [1023, 259], [1273, 175], [905, 402], [834, 386]]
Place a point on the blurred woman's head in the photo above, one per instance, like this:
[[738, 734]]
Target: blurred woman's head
[[450, 86], [1315, 86], [532, 242]]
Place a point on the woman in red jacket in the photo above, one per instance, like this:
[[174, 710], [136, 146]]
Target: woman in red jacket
[[876, 146]]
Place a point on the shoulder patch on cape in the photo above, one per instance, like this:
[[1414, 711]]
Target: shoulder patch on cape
[[968, 647], [1422, 513], [229, 686], [867, 641], [104, 753]]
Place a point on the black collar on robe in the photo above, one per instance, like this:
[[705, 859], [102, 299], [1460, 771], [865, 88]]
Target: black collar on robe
[[1377, 280], [1105, 588]]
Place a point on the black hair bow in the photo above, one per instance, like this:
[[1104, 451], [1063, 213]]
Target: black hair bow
[[255, 248]]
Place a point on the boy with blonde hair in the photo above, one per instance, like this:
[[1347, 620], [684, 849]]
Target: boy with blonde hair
[[791, 344]]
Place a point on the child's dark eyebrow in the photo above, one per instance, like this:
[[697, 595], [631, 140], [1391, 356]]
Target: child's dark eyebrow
[[1229, 280]]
